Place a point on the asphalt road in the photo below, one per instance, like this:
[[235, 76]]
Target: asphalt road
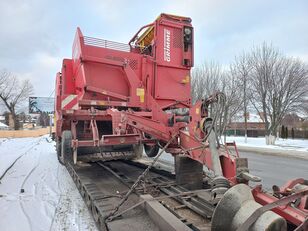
[[275, 169]]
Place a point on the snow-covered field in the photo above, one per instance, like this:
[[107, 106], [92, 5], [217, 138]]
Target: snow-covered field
[[50, 200]]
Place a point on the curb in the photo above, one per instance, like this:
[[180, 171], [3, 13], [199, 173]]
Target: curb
[[275, 152]]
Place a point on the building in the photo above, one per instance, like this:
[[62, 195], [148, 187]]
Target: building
[[2, 119], [3, 126], [255, 125]]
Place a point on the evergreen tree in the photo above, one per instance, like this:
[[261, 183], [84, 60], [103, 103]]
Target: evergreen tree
[[292, 133], [282, 132]]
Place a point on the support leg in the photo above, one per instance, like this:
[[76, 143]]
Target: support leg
[[75, 155], [188, 172]]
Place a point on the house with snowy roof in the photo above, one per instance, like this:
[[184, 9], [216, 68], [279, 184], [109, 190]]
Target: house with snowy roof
[[3, 126], [255, 124]]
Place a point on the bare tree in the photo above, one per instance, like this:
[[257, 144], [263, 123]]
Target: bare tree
[[43, 119], [241, 68], [230, 86], [205, 80], [305, 107], [13, 93], [211, 78], [279, 86]]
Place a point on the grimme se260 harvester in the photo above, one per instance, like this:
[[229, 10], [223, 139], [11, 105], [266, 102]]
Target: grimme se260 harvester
[[115, 100]]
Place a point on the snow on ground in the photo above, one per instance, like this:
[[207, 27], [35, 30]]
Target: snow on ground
[[283, 147], [11, 149], [286, 144], [50, 200], [286, 147]]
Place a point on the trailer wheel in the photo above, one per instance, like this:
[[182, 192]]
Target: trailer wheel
[[66, 149], [151, 151], [58, 149], [138, 150]]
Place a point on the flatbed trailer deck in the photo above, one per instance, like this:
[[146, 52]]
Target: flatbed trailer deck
[[102, 184]]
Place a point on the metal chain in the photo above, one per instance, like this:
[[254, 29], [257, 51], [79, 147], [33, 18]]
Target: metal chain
[[111, 215], [190, 193]]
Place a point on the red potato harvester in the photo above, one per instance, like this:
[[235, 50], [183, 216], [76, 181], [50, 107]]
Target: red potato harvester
[[115, 100]]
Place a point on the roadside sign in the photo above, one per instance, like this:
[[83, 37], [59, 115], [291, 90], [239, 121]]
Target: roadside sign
[[41, 104]]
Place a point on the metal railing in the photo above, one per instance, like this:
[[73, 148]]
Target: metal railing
[[106, 44]]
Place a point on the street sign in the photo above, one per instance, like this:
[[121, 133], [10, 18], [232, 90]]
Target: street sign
[[41, 104]]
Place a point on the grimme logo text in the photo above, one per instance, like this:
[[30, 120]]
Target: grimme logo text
[[167, 45]]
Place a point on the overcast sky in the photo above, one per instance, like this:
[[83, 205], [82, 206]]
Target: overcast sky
[[35, 35]]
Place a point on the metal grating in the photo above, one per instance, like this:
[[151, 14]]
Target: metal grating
[[106, 44], [177, 38], [133, 64]]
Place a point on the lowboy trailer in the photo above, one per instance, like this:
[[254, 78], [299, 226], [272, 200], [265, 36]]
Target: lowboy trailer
[[114, 101]]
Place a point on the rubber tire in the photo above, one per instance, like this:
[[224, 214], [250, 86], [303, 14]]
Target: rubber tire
[[66, 149], [58, 150], [151, 151]]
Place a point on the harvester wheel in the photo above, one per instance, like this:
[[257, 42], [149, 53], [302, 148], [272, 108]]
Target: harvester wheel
[[58, 149], [138, 150], [151, 151], [66, 149]]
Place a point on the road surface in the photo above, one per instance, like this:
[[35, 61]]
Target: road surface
[[276, 169], [272, 169]]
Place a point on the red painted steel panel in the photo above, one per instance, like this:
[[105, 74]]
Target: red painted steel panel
[[68, 85], [170, 84]]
